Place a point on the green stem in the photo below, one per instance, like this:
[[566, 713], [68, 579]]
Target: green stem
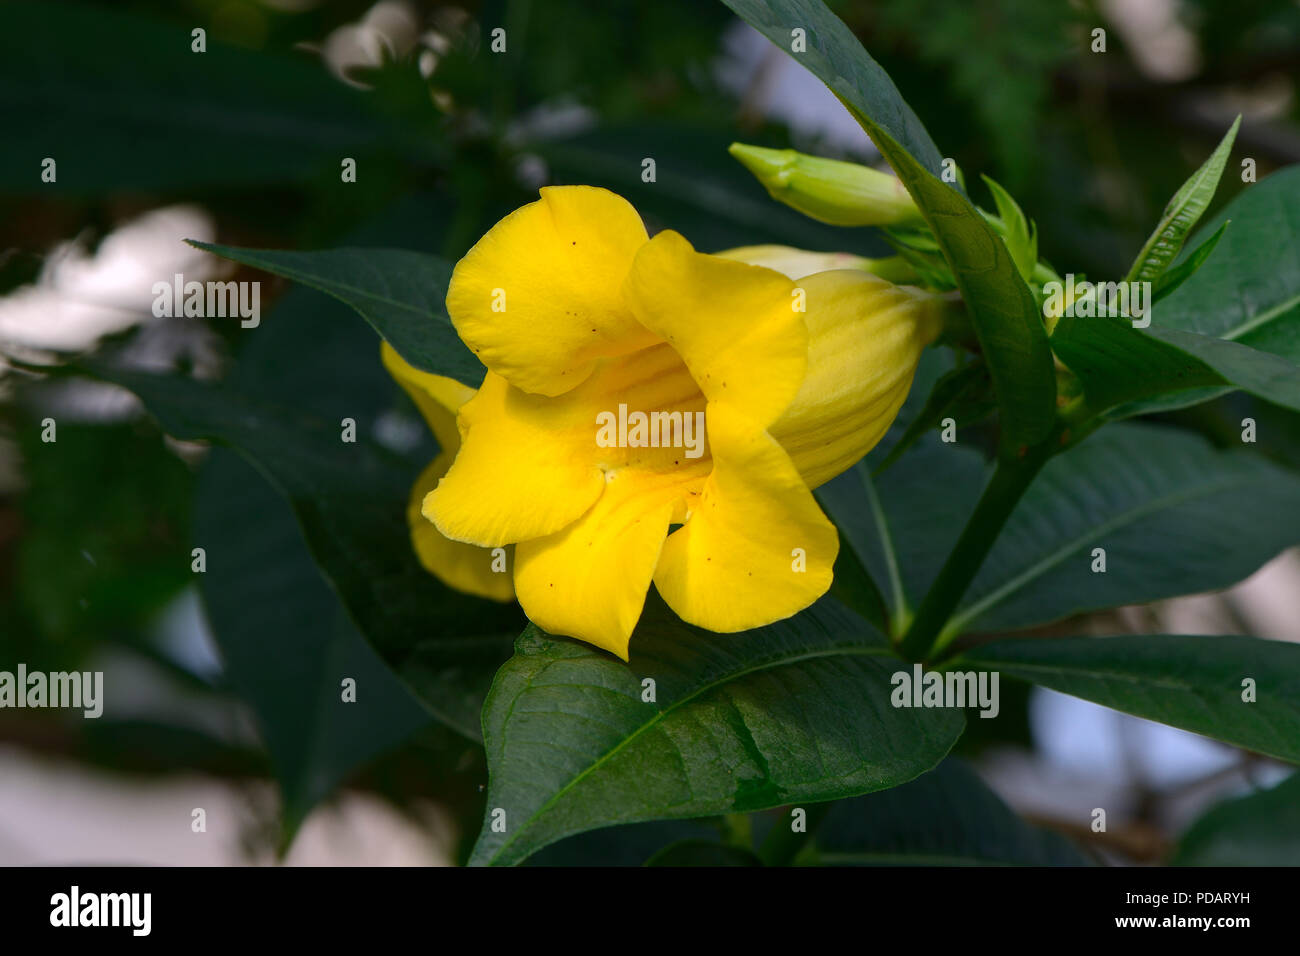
[[1010, 479]]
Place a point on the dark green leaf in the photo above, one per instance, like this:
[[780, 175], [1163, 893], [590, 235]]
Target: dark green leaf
[[798, 710], [1173, 514], [1117, 363], [1262, 829], [947, 817], [1191, 682], [120, 102], [285, 642], [399, 292], [350, 500]]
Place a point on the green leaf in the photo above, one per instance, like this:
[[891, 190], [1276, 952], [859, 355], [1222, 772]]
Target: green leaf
[[350, 500], [1191, 682], [1131, 488], [1020, 239], [286, 644], [795, 711], [399, 292], [1182, 213], [1173, 514], [947, 817], [1262, 829], [1261, 372], [143, 112], [1126, 371], [1118, 364], [1003, 310]]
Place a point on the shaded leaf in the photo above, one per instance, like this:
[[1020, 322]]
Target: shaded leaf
[[798, 710], [399, 292], [1261, 829], [1191, 682], [947, 817]]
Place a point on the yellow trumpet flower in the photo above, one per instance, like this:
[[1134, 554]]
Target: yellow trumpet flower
[[604, 349]]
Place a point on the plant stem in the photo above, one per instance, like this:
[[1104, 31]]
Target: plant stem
[[1010, 479]]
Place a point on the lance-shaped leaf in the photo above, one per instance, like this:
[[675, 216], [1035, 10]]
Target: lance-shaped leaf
[[1003, 311], [287, 644], [1241, 690], [399, 292], [697, 724], [1182, 213]]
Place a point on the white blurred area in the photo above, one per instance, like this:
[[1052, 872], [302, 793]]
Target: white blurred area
[[82, 295], [56, 813]]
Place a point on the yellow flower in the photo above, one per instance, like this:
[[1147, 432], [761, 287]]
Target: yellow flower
[[583, 322]]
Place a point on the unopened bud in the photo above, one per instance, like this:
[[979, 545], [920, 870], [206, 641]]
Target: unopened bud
[[828, 190]]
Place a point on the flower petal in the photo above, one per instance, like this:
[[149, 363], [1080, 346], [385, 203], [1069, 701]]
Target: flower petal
[[538, 297], [590, 580], [792, 262], [736, 562], [865, 339], [465, 567], [733, 324], [526, 468], [530, 465]]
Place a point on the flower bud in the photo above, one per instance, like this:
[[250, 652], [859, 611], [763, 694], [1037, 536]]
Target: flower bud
[[831, 191]]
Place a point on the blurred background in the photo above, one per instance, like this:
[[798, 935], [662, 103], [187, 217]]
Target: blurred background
[[242, 143]]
